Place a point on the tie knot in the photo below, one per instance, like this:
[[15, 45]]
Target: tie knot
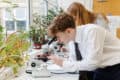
[[76, 44]]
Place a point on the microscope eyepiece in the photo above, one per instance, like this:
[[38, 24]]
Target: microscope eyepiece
[[52, 40]]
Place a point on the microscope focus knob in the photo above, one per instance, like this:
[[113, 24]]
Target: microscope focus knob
[[33, 64]]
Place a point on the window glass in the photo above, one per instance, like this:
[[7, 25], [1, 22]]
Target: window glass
[[10, 25], [20, 13], [21, 25], [8, 15]]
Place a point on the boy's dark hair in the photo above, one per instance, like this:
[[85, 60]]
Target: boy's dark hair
[[61, 23]]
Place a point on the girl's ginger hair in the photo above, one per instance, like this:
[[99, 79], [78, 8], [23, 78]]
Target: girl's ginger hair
[[80, 14]]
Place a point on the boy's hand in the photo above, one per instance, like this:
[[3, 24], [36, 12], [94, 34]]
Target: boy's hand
[[57, 60]]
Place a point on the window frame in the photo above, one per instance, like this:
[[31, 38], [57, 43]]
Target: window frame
[[26, 18]]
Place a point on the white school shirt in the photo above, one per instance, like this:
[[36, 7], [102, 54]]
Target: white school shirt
[[98, 47]]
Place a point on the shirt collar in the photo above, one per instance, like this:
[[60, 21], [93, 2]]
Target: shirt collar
[[77, 36]]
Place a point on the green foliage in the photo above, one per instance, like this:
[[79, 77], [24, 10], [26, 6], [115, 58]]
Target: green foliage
[[50, 16], [1, 35], [13, 52], [38, 29]]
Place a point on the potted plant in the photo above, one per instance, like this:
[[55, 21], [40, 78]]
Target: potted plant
[[38, 29], [12, 49], [12, 53], [37, 32]]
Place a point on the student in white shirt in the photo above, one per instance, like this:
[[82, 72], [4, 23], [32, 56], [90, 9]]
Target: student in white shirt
[[78, 11], [100, 50]]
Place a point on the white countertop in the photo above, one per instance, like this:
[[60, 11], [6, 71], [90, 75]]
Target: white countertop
[[57, 76], [66, 76]]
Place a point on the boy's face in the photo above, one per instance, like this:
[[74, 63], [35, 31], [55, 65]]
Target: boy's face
[[66, 36]]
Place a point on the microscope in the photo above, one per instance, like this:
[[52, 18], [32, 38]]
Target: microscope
[[39, 62], [39, 66]]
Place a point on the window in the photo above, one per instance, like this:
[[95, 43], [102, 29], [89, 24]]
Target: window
[[41, 6], [16, 20], [10, 25], [21, 25]]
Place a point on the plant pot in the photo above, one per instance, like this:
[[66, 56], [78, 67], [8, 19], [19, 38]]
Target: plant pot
[[37, 45]]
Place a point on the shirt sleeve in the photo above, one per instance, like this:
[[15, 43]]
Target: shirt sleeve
[[94, 42]]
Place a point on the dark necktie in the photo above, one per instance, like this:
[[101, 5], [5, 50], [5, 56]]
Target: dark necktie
[[82, 74], [77, 51]]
